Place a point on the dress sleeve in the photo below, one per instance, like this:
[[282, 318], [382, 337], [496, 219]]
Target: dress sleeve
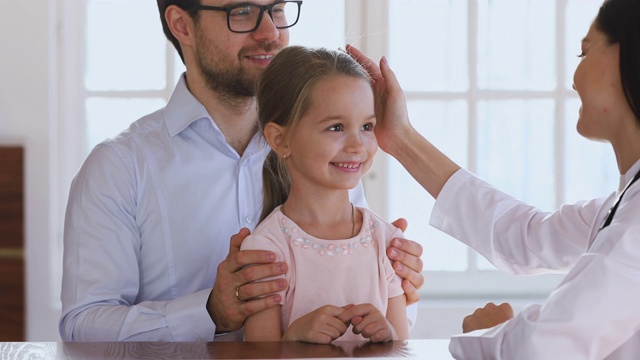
[[265, 239], [394, 281], [592, 313]]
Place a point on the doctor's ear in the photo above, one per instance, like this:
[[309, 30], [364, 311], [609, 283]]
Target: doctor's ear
[[276, 137]]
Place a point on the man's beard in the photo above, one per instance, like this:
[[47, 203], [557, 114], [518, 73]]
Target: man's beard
[[230, 82], [224, 78]]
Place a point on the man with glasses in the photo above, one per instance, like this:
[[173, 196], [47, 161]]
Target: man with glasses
[[146, 250]]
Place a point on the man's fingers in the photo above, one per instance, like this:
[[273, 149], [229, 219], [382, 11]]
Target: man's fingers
[[237, 239], [410, 292], [259, 272], [227, 304], [404, 263], [408, 246], [407, 252], [411, 280], [238, 260], [407, 273], [256, 289], [408, 265], [254, 306]]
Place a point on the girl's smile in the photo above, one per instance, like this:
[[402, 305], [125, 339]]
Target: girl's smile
[[349, 166]]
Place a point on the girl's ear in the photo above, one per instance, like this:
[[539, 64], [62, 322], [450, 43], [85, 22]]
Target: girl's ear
[[276, 137]]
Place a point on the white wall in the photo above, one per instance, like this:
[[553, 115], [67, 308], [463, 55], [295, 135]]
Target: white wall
[[26, 105]]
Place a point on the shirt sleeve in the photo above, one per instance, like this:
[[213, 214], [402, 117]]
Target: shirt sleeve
[[591, 314], [100, 283], [515, 237]]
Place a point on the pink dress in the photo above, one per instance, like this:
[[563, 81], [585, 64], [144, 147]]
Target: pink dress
[[330, 272]]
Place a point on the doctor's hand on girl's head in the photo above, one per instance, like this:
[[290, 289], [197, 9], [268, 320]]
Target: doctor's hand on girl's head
[[390, 102]]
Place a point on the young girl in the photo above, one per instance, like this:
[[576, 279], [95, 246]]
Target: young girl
[[316, 112]]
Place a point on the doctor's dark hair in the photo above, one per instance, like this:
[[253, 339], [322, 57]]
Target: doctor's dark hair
[[283, 93], [619, 20], [183, 4]]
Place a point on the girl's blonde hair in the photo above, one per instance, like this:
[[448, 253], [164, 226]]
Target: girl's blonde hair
[[283, 97]]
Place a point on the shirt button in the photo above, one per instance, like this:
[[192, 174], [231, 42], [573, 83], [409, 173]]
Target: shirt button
[[248, 219]]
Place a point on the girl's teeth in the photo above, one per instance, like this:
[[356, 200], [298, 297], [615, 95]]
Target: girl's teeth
[[348, 166]]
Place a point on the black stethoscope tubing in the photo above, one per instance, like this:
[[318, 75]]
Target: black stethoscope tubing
[[613, 209]]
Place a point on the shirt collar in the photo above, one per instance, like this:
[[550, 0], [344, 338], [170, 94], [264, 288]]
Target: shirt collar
[[183, 108]]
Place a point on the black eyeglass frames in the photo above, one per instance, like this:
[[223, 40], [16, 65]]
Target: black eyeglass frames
[[246, 17]]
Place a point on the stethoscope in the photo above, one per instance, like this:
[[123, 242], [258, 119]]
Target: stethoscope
[[613, 209]]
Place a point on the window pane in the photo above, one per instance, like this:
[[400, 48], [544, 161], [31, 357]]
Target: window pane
[[444, 123], [580, 14], [428, 44], [590, 166], [108, 117], [516, 149], [306, 31], [125, 45], [516, 45]]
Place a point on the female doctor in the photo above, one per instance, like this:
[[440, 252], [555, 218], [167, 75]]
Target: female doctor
[[595, 311]]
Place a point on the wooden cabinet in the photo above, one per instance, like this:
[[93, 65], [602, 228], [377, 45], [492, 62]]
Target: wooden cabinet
[[12, 244]]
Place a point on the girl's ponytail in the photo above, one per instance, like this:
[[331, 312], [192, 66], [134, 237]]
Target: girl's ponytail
[[276, 183]]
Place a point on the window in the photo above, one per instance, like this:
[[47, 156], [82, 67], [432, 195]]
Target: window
[[487, 81], [490, 83]]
